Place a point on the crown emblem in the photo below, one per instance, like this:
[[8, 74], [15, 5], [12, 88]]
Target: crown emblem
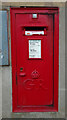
[[35, 74]]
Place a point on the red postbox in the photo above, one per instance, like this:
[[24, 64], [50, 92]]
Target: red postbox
[[35, 53]]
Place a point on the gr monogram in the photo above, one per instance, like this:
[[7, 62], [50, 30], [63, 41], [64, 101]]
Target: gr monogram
[[31, 84]]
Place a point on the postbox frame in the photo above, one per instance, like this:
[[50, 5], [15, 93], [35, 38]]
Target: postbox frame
[[45, 10]]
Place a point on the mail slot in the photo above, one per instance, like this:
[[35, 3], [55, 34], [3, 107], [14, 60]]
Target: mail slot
[[35, 31], [35, 59]]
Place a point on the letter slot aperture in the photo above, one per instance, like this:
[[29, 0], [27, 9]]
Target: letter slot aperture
[[35, 31]]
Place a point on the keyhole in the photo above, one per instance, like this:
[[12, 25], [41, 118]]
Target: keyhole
[[21, 69]]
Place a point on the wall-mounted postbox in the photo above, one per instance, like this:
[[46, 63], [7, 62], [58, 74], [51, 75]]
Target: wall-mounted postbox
[[35, 48]]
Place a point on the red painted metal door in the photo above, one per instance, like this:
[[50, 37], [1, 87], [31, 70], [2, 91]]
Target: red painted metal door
[[34, 74], [34, 35]]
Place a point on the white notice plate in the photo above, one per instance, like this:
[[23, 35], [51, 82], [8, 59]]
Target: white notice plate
[[34, 48]]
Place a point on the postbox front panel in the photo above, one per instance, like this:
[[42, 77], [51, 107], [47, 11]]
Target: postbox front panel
[[34, 61]]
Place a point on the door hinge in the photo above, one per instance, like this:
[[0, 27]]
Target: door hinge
[[16, 78]]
